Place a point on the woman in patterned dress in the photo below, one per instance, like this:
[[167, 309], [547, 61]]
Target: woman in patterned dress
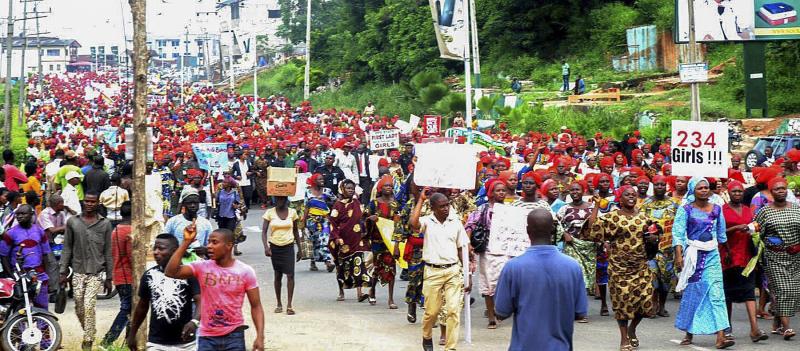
[[780, 231], [350, 249], [698, 230], [383, 206], [317, 207], [413, 252], [630, 279], [572, 217], [260, 166], [604, 202]]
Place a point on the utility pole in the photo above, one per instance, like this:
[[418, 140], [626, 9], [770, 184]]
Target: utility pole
[[21, 81], [7, 105], [307, 76], [141, 55], [694, 88], [254, 47], [38, 49], [468, 79], [476, 57]]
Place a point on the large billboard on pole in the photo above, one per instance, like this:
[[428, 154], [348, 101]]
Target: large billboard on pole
[[450, 23], [738, 20]]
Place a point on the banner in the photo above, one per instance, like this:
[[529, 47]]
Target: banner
[[738, 20], [509, 230], [451, 27], [432, 125], [451, 166], [212, 157], [109, 135], [386, 228], [384, 139], [699, 149], [477, 138], [153, 99]]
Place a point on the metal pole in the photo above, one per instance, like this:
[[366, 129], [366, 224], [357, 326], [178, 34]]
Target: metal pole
[[230, 62], [695, 89], [254, 47], [307, 76], [21, 81], [7, 106], [38, 49], [468, 81], [476, 57]]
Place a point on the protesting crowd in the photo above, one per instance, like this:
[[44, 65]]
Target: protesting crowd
[[601, 216]]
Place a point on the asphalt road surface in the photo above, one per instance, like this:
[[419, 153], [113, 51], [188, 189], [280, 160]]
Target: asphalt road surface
[[321, 323]]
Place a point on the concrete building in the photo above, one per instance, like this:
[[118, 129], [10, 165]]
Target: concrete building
[[56, 55], [242, 23]]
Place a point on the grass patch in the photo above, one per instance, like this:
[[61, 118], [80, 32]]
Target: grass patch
[[19, 134]]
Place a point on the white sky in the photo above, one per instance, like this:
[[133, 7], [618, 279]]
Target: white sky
[[100, 22]]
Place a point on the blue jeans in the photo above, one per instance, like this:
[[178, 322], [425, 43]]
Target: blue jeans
[[121, 322], [231, 342], [566, 83]]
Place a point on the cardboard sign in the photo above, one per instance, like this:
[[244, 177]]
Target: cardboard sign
[[212, 157], [699, 149], [451, 166], [432, 125], [281, 181], [384, 139], [509, 230]]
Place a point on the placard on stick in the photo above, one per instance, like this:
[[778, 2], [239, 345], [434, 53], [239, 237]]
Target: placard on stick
[[384, 139], [699, 149], [451, 166]]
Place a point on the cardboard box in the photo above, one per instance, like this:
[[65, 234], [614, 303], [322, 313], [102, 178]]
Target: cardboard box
[[281, 181]]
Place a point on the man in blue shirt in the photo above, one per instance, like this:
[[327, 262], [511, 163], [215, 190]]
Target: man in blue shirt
[[543, 289]]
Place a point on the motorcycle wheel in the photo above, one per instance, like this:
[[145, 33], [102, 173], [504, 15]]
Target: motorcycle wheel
[[11, 337]]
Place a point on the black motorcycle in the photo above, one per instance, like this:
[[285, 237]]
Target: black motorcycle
[[24, 327]]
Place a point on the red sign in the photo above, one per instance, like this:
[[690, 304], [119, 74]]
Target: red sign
[[431, 125]]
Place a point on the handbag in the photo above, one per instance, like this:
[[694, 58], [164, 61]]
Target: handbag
[[306, 248], [480, 235]]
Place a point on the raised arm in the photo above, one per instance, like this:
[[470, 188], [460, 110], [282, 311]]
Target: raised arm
[[175, 268], [415, 213]]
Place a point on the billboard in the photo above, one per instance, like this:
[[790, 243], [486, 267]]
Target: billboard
[[738, 20], [450, 23]]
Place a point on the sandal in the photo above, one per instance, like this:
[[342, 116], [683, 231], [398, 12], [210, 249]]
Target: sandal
[[777, 331], [788, 334], [392, 306], [279, 309], [761, 336], [363, 298], [663, 313], [290, 311], [604, 312], [725, 344], [686, 341], [626, 348], [373, 301], [340, 298], [442, 341], [411, 318], [764, 316], [330, 267], [634, 342], [492, 325], [583, 320]]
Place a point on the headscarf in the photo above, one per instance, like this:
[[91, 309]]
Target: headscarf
[[186, 192], [736, 175], [491, 184], [775, 181], [659, 178], [386, 179], [596, 181], [764, 174], [690, 186], [793, 155], [547, 185], [312, 180], [531, 175], [735, 184], [582, 183], [302, 164], [624, 159], [341, 188], [607, 161], [642, 179]]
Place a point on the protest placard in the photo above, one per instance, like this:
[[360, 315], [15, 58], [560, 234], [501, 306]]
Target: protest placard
[[302, 186], [413, 121], [509, 230], [699, 149], [129, 148], [109, 135], [451, 166], [404, 126], [384, 139], [212, 157], [432, 125]]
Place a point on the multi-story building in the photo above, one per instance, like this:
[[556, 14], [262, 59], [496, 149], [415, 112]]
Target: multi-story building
[[56, 55], [247, 24]]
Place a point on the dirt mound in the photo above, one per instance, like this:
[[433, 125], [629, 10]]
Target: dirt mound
[[756, 127]]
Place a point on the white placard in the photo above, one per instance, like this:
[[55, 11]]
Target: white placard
[[451, 166], [414, 121], [699, 149], [508, 232], [300, 189], [384, 139], [694, 72], [373, 166], [404, 126], [129, 149]]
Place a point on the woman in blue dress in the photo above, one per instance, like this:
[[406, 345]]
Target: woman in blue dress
[[698, 230]]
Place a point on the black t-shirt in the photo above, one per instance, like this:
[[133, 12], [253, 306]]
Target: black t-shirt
[[171, 302]]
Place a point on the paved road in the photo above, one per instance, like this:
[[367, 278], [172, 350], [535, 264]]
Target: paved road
[[322, 323]]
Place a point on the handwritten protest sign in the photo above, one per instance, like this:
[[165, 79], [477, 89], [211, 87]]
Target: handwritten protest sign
[[432, 125], [212, 157], [699, 149], [450, 166], [508, 230], [384, 139]]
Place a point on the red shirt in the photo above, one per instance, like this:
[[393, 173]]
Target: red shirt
[[14, 177], [121, 248], [740, 245]]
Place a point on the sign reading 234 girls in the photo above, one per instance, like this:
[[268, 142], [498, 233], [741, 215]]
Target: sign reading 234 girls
[[699, 149]]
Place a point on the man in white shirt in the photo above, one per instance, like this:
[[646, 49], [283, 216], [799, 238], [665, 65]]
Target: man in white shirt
[[443, 286], [347, 162], [50, 172], [70, 194], [242, 172]]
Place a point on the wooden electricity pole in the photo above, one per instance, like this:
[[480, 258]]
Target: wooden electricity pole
[[141, 57]]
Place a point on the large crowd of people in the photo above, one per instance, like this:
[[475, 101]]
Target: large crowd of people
[[635, 232]]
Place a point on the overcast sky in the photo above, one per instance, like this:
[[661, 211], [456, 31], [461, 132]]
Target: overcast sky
[[95, 22]]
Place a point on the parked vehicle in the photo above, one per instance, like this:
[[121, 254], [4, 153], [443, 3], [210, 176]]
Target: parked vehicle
[[780, 145], [25, 327]]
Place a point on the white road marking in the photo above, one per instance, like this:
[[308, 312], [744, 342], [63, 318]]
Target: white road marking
[[698, 348]]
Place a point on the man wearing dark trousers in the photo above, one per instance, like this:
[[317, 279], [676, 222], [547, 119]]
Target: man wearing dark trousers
[[364, 175], [243, 172]]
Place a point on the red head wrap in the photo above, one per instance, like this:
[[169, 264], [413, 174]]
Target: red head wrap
[[547, 185], [491, 184], [659, 178], [764, 174], [736, 175], [735, 184], [775, 181], [620, 191], [582, 183], [386, 179], [793, 155], [600, 176], [642, 179], [312, 180], [607, 161]]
